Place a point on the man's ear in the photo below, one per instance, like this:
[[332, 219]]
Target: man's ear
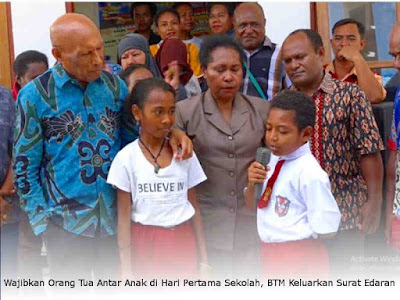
[[18, 80], [321, 51], [363, 43], [57, 54]]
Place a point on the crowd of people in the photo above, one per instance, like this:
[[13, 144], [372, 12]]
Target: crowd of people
[[147, 168]]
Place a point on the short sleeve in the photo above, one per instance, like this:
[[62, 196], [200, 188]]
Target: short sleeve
[[364, 133], [196, 174], [322, 210], [118, 176]]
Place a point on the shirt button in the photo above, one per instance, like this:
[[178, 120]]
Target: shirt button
[[233, 193], [232, 210], [231, 155], [230, 137], [231, 174]]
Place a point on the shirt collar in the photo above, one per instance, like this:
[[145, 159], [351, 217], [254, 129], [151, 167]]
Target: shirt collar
[[327, 84], [331, 69], [61, 76], [267, 43], [303, 150], [211, 105]]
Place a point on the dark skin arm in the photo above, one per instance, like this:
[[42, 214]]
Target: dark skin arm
[[124, 232], [372, 172], [7, 189], [365, 77], [197, 222], [390, 194], [179, 140]]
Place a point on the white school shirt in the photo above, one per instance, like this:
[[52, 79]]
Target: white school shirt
[[157, 199], [301, 204]]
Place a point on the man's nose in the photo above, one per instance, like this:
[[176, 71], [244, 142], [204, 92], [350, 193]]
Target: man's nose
[[344, 42], [98, 58], [294, 64], [248, 29]]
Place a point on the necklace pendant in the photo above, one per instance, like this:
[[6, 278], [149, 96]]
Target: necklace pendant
[[156, 167]]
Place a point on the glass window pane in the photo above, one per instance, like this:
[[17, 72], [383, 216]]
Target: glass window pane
[[378, 19]]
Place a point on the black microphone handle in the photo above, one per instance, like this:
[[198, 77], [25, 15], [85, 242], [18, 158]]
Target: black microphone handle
[[263, 156]]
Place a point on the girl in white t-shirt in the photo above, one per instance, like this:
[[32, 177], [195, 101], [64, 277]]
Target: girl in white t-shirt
[[160, 229]]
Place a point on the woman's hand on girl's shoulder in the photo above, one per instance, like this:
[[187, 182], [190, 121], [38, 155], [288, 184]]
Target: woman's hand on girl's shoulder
[[182, 146]]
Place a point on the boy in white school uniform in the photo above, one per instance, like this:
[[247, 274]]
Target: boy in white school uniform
[[297, 205]]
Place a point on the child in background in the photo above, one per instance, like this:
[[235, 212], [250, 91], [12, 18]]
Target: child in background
[[132, 74], [160, 229], [297, 205]]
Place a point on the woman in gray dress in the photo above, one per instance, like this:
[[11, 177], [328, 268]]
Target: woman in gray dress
[[226, 128]]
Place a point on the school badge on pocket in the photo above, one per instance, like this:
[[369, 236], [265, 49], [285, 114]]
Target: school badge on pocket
[[282, 206]]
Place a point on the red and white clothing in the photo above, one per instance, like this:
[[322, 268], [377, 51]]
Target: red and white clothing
[[301, 207], [163, 241], [157, 199], [301, 204], [351, 77]]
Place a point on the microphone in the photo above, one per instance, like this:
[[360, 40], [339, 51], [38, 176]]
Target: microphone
[[263, 156]]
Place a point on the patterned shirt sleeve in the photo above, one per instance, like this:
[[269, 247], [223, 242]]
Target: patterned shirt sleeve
[[364, 134], [28, 151]]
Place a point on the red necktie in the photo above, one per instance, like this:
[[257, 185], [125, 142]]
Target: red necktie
[[263, 202]]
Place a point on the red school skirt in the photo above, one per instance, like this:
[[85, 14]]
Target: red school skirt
[[159, 252], [396, 232], [306, 258]]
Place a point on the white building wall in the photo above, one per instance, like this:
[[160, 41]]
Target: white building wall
[[285, 17], [31, 22]]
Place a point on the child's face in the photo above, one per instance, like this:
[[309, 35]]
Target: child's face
[[157, 115], [283, 136], [138, 74]]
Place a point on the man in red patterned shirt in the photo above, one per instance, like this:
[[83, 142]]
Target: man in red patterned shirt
[[349, 65], [345, 141]]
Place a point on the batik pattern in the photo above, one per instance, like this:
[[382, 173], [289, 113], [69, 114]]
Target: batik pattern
[[346, 130], [65, 140]]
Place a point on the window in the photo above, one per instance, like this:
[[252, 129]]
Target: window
[[378, 19]]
